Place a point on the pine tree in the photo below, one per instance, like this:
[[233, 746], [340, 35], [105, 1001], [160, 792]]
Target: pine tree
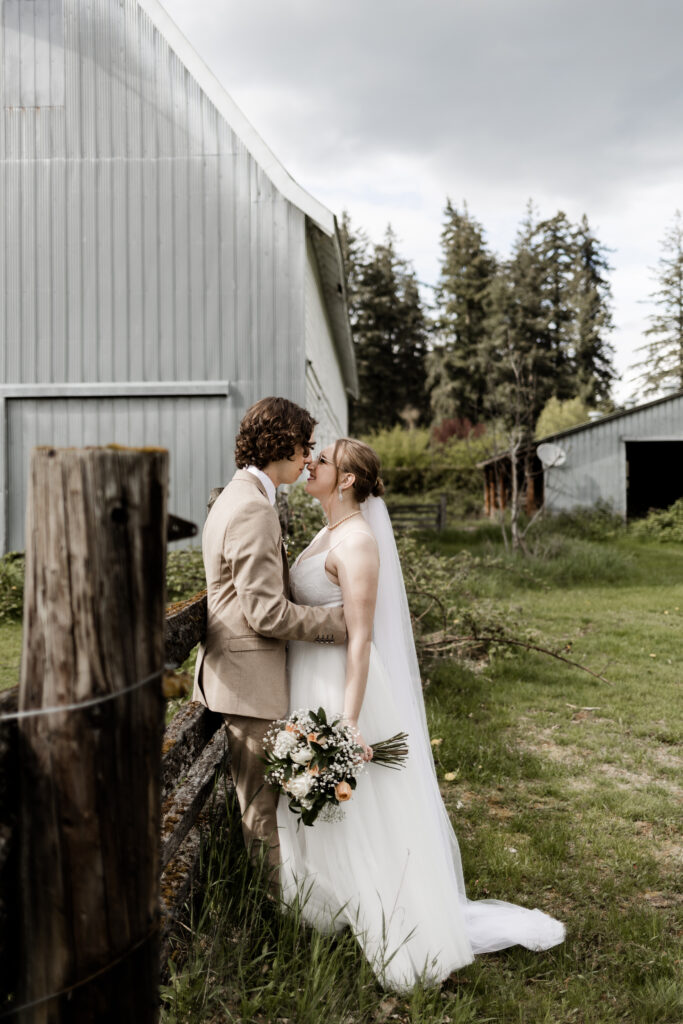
[[593, 354], [554, 245], [455, 374], [354, 249], [390, 335], [663, 365], [519, 354]]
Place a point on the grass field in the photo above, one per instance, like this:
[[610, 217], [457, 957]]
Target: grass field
[[567, 796]]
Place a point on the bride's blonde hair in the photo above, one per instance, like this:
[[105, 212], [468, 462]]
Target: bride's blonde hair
[[357, 457]]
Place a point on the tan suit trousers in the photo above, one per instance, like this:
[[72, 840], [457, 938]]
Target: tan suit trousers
[[257, 799]]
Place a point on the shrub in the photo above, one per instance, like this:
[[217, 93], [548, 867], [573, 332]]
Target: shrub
[[11, 585], [184, 574], [557, 416], [598, 522], [305, 519], [661, 524], [462, 429], [184, 577], [412, 465]]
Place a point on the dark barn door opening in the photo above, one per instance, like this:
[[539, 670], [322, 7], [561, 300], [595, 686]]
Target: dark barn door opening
[[654, 475]]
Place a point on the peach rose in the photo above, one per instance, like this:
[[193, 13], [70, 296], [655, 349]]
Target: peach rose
[[312, 737], [314, 770], [343, 792]]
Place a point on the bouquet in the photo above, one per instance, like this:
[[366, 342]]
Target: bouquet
[[316, 763]]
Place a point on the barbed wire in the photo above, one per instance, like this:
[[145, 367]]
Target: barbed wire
[[6, 1014], [15, 716]]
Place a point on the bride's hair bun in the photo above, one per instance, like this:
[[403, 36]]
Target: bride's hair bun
[[359, 458]]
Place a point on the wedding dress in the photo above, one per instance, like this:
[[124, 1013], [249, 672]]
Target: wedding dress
[[391, 868]]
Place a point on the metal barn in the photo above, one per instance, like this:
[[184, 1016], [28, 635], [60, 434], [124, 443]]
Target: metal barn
[[631, 459], [159, 269]]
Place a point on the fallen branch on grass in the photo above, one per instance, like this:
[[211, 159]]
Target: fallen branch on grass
[[439, 645]]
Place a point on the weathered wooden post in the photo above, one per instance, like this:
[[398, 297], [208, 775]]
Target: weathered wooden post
[[93, 638], [443, 509]]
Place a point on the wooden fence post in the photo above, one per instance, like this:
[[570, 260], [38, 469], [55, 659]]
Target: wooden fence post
[[443, 510], [90, 805]]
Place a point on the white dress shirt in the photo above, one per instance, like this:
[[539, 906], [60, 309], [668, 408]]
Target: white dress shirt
[[265, 480]]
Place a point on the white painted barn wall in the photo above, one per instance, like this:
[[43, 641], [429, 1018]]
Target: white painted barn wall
[[325, 388], [595, 468], [141, 242]]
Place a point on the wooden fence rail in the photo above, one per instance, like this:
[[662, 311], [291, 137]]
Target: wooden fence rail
[[419, 515]]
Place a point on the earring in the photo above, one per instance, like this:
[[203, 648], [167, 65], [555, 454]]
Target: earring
[[341, 493]]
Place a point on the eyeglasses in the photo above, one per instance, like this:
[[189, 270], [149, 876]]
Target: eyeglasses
[[325, 461]]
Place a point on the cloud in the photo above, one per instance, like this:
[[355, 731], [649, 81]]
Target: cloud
[[582, 93], [388, 106]]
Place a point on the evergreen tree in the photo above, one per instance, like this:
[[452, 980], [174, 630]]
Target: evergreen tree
[[390, 335], [557, 313], [522, 333], [593, 366], [553, 245], [354, 248], [663, 365], [456, 375]]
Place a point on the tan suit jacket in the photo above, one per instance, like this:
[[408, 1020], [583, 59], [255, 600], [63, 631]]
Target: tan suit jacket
[[241, 668]]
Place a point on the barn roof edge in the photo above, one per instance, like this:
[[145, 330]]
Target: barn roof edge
[[226, 106]]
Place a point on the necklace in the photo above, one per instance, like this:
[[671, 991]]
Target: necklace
[[343, 519]]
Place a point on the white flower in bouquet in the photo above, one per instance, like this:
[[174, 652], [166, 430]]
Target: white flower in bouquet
[[301, 756], [299, 786], [285, 743]]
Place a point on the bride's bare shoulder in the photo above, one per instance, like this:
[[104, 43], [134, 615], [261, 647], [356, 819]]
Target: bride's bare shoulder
[[357, 540]]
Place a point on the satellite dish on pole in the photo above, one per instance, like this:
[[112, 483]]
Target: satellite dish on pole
[[551, 455]]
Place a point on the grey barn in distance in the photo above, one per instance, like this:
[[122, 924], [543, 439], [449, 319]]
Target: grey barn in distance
[[631, 460], [159, 269]]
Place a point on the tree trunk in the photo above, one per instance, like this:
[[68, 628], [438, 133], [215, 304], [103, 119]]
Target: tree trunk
[[93, 626]]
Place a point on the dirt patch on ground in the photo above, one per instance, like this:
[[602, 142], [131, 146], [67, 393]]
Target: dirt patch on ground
[[664, 900], [543, 744]]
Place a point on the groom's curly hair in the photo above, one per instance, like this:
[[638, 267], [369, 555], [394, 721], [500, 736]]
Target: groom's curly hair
[[270, 430]]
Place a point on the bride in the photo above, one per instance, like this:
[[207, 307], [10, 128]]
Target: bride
[[391, 868]]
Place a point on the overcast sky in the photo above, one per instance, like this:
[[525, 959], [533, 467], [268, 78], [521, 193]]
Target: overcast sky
[[386, 108]]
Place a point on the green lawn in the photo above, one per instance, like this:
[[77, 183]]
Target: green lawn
[[10, 653], [567, 796]]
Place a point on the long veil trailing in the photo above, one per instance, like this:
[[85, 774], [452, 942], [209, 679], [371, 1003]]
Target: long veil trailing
[[489, 924]]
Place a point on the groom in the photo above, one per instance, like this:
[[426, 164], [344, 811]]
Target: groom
[[241, 668]]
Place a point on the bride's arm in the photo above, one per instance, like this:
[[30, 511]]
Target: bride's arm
[[356, 563]]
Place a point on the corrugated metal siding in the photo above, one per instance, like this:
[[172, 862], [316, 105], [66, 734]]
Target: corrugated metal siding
[[595, 469], [188, 427], [139, 241], [325, 392]]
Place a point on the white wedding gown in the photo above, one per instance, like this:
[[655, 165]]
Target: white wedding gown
[[386, 870]]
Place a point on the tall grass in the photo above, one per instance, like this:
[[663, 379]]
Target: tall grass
[[250, 960]]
